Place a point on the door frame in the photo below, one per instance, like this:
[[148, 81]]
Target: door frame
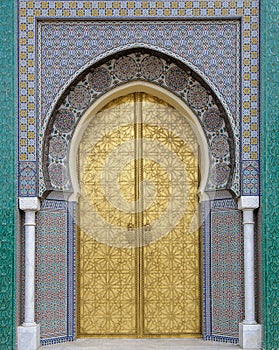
[[113, 96]]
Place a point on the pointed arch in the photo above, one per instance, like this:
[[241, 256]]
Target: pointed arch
[[164, 76]]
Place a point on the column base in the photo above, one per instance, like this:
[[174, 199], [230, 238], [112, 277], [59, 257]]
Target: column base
[[28, 337], [250, 336]]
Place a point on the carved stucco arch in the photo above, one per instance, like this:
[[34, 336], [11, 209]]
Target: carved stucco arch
[[167, 78], [149, 88]]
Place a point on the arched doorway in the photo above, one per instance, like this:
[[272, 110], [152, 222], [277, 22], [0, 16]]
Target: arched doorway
[[139, 242], [199, 106]]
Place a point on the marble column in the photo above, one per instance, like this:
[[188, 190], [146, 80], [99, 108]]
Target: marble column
[[250, 332], [28, 334]]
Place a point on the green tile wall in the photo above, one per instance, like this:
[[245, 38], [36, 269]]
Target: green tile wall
[[7, 173], [270, 169]]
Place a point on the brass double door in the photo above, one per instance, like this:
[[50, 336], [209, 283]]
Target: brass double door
[[138, 244]]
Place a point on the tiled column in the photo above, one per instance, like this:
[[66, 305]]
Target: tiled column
[[29, 332], [250, 333]]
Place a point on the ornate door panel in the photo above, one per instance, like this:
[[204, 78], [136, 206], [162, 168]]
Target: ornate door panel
[[171, 266], [107, 271], [139, 268]]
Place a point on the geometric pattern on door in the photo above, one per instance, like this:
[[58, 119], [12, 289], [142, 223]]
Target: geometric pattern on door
[[139, 244]]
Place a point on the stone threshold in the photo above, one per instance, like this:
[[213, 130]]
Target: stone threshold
[[141, 344]]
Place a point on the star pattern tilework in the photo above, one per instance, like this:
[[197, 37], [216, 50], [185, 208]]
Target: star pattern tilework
[[32, 12]]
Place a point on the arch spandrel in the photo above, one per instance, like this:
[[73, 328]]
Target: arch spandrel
[[166, 79], [155, 50]]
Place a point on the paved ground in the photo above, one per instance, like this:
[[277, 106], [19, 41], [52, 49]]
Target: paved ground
[[141, 344]]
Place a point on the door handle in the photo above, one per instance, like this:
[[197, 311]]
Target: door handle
[[130, 226], [146, 228]]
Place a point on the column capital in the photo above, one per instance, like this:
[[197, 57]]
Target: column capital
[[248, 202], [29, 203]]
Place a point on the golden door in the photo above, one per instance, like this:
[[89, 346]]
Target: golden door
[[139, 245]]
